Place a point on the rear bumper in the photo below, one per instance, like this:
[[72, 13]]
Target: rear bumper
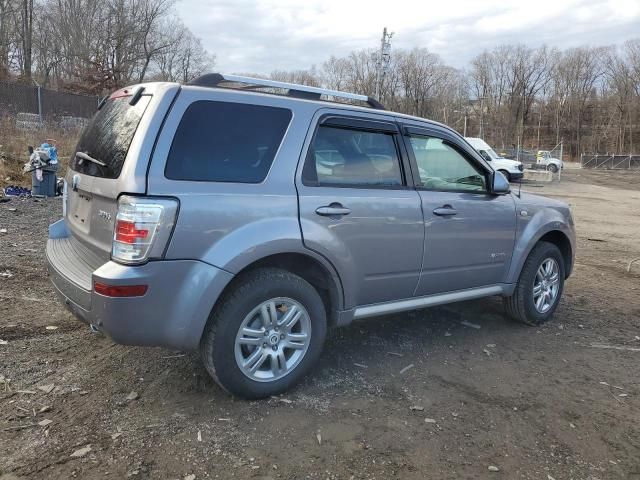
[[172, 313]]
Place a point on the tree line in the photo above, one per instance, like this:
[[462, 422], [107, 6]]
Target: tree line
[[96, 46], [512, 95], [587, 97]]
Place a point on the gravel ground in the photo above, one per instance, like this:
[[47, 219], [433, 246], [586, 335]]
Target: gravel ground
[[446, 393]]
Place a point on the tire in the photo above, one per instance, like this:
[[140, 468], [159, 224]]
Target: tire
[[250, 304], [506, 174], [521, 305], [553, 168]]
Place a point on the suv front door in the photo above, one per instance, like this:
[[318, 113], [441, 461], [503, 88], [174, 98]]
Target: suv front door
[[469, 232], [358, 210]]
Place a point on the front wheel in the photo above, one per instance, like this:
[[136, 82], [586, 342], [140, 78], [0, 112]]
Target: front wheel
[[265, 334], [553, 168], [539, 287]]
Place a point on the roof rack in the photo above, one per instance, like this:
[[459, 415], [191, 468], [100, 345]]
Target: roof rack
[[293, 89]]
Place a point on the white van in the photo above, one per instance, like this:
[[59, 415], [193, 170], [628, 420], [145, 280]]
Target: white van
[[511, 169]]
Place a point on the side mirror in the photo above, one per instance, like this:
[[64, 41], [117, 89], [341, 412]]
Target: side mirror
[[500, 184]]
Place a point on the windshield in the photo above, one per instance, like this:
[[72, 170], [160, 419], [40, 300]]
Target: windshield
[[105, 141], [493, 154]]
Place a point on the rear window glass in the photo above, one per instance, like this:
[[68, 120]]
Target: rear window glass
[[226, 142], [108, 136]]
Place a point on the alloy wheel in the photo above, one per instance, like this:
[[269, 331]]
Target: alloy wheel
[[273, 339], [546, 285]]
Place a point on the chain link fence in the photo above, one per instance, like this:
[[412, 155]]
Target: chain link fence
[[610, 162], [30, 103], [533, 159]]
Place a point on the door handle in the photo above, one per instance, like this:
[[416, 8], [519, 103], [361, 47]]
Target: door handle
[[445, 211], [335, 209]]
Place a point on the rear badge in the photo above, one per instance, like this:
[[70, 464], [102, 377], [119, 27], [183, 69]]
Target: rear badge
[[103, 214]]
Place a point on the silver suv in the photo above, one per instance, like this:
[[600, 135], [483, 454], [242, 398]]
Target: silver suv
[[243, 217]]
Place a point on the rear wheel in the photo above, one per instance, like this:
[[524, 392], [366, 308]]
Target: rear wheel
[[265, 334], [539, 287], [506, 174]]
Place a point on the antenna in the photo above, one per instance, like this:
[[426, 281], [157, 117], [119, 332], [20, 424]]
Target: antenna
[[383, 60], [520, 188]]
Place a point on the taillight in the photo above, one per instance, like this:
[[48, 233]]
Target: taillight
[[127, 232], [142, 228]]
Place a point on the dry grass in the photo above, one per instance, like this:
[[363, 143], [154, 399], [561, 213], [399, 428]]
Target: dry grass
[[13, 149]]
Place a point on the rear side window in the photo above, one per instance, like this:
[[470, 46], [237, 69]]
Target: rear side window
[[348, 157], [226, 142], [107, 137]]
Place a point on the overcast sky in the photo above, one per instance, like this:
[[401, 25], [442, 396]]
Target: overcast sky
[[265, 35]]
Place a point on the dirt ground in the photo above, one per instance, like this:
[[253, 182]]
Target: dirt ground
[[411, 396]]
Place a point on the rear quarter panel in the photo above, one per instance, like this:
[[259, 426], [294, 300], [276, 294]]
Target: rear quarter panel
[[231, 225]]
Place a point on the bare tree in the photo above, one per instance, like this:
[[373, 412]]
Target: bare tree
[[588, 97], [336, 73], [96, 46], [302, 77], [25, 20], [185, 60], [6, 15], [153, 39]]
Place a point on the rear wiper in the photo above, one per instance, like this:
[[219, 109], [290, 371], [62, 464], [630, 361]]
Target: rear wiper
[[84, 156]]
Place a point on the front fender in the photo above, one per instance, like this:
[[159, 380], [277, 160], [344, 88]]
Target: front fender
[[530, 229]]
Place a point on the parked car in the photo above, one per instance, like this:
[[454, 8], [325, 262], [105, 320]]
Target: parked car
[[543, 157], [244, 224], [511, 169]]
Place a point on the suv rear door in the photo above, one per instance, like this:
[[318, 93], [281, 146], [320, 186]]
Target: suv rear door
[[111, 158], [358, 207]]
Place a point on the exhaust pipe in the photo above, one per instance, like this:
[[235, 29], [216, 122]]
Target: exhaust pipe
[[94, 329]]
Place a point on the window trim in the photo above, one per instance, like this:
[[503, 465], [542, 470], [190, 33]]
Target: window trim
[[357, 124], [232, 182], [412, 131], [361, 124]]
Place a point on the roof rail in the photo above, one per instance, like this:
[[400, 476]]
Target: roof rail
[[293, 89]]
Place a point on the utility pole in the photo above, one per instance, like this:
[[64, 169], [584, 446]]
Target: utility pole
[[464, 112], [539, 122], [383, 60], [482, 118]]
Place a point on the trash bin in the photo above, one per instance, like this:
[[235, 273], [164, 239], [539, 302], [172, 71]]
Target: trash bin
[[45, 156], [46, 187]]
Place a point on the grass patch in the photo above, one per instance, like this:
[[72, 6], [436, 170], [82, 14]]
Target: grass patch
[[14, 154]]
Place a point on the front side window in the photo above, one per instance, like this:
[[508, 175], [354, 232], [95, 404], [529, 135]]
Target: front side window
[[226, 142], [348, 157], [442, 167]]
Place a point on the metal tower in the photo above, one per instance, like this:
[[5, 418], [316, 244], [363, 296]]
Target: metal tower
[[383, 60]]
